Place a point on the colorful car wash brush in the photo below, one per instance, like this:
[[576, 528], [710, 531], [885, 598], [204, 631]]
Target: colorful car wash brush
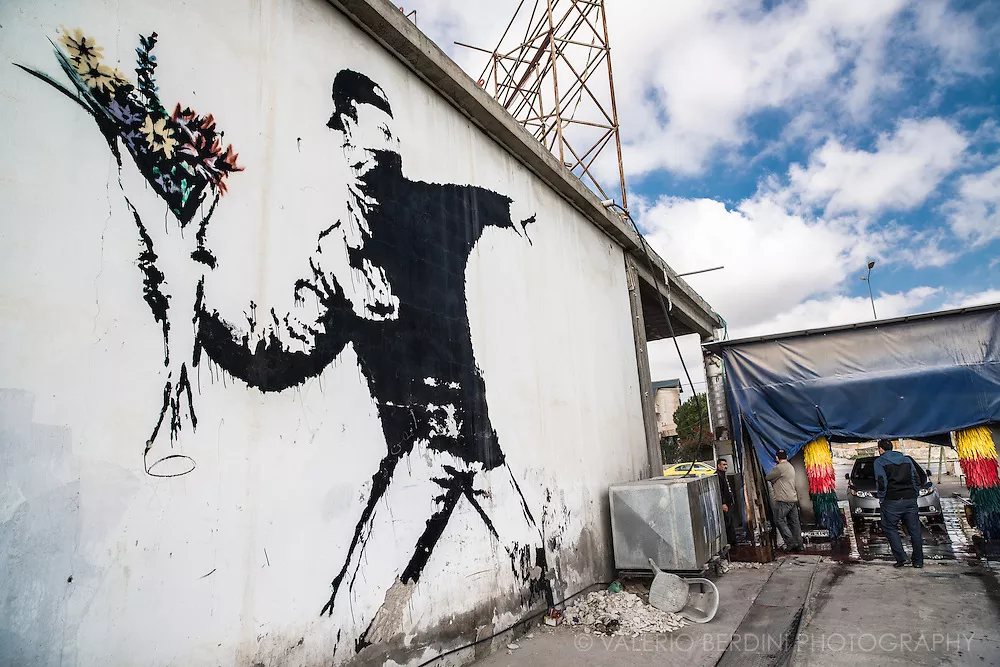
[[823, 487], [978, 455]]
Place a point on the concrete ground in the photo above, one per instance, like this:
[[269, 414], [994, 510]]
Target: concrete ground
[[873, 614], [854, 614], [691, 646]]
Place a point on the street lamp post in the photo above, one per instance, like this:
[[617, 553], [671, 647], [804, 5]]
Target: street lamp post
[[868, 279]]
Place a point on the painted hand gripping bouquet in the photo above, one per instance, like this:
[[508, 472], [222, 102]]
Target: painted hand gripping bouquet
[[407, 243]]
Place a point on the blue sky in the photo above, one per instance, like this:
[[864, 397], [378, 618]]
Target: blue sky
[[794, 141]]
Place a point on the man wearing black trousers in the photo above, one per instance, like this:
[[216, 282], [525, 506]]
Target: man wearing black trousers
[[730, 513], [897, 488]]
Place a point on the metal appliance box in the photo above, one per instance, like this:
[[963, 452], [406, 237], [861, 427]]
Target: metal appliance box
[[675, 521]]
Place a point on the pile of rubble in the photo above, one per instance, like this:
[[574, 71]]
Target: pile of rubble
[[620, 614], [727, 566]]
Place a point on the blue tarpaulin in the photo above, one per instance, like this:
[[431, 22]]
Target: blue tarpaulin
[[919, 377]]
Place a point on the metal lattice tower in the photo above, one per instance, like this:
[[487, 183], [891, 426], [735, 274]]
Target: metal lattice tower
[[552, 71]]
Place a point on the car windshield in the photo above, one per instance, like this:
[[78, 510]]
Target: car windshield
[[864, 469]]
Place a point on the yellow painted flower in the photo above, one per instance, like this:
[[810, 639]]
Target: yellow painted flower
[[159, 136], [81, 48], [118, 78], [99, 76]]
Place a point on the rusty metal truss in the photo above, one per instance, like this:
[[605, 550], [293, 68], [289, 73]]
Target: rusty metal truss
[[552, 71]]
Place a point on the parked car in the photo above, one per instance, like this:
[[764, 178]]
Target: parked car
[[681, 469], [863, 499]]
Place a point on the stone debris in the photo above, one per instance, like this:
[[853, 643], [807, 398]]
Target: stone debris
[[620, 614], [726, 567], [513, 647]]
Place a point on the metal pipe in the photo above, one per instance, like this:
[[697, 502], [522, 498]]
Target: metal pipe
[[940, 462], [555, 80], [691, 273]]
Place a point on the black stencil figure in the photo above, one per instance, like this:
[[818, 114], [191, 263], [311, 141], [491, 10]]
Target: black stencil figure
[[407, 246], [388, 277]]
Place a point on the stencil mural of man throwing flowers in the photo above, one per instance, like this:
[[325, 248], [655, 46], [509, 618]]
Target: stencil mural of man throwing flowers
[[387, 275]]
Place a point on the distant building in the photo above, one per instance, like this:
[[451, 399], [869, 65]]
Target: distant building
[[666, 398]]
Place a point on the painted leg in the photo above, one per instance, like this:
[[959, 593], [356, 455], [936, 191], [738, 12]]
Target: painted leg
[[413, 497], [363, 530], [446, 483], [509, 516]]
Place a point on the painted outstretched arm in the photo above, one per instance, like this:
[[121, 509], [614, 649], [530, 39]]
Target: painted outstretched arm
[[277, 350]]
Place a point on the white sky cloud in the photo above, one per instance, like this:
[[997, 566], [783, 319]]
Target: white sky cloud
[[983, 298], [774, 259], [975, 214], [898, 174], [690, 73]]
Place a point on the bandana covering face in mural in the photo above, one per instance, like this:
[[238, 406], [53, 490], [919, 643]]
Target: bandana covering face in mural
[[388, 277]]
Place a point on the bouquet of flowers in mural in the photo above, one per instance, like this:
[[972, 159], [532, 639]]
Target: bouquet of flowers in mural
[[823, 487], [180, 153]]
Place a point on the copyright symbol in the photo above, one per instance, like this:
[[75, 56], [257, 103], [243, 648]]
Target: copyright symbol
[[583, 642]]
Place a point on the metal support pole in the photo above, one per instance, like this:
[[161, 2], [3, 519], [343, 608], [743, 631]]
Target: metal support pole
[[555, 82], [940, 462], [614, 109]]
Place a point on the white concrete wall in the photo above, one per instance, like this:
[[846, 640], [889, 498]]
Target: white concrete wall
[[231, 563], [666, 402]]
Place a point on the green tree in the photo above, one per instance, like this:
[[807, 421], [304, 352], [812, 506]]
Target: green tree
[[688, 425], [670, 449]]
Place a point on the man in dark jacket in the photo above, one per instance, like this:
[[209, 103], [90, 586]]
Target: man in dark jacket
[[730, 514], [898, 488]]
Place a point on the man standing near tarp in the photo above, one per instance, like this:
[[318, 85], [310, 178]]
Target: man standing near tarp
[[898, 488], [786, 502], [729, 512]]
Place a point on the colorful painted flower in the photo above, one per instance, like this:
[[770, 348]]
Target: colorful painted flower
[[81, 48], [98, 76], [159, 136], [229, 159], [124, 113], [201, 148], [181, 154], [136, 141]]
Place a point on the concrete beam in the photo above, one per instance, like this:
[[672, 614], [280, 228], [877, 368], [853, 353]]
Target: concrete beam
[[653, 451], [689, 313], [387, 25]]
